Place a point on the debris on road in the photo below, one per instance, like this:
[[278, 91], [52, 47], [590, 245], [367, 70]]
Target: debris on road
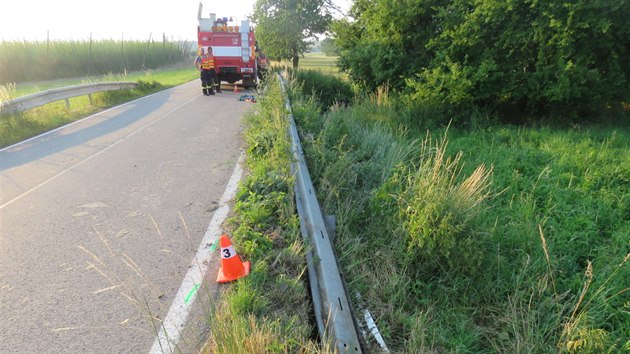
[[247, 98]]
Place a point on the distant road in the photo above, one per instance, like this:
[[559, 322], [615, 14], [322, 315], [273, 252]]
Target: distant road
[[100, 220]]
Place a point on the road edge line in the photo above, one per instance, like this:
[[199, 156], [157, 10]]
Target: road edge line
[[173, 324]]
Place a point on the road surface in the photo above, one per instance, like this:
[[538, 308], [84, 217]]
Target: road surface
[[99, 220]]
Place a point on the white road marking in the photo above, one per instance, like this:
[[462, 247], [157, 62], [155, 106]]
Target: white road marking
[[173, 324], [96, 154]]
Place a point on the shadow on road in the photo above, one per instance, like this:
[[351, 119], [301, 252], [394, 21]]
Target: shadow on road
[[60, 140]]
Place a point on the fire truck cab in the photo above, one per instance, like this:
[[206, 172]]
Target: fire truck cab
[[233, 46]]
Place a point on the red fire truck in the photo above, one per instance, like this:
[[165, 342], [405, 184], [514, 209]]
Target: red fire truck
[[233, 46]]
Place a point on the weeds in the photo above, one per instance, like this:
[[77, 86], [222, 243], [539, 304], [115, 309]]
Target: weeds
[[429, 235], [580, 332], [7, 92], [269, 310], [329, 90], [434, 209]]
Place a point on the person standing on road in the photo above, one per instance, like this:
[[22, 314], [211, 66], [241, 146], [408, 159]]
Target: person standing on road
[[205, 64]]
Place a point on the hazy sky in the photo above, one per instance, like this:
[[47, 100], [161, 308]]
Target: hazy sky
[[115, 19]]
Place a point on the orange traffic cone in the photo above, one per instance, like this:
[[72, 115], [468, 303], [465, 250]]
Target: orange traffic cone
[[236, 88], [232, 267]]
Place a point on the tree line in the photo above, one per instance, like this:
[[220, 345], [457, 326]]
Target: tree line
[[535, 57]]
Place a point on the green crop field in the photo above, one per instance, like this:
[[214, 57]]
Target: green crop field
[[318, 61], [48, 60], [312, 61]]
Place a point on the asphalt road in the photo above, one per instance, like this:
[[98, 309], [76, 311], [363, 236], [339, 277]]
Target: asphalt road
[[99, 220]]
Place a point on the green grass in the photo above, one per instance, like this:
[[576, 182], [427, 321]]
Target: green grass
[[268, 311], [18, 127], [320, 62], [502, 239], [312, 61]]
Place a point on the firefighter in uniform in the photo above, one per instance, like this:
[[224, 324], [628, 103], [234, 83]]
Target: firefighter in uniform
[[262, 65], [205, 64]]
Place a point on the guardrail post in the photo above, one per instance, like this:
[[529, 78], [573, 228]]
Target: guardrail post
[[67, 104], [331, 226]]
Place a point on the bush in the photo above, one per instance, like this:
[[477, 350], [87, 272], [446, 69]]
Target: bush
[[436, 210], [566, 59], [327, 89]]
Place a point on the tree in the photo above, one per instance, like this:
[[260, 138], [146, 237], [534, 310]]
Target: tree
[[329, 48], [533, 56], [284, 27], [386, 42], [537, 56]]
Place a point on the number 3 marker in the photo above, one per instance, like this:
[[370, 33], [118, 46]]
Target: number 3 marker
[[228, 252]]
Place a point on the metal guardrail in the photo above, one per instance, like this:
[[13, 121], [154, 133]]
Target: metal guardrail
[[333, 311], [21, 104]]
